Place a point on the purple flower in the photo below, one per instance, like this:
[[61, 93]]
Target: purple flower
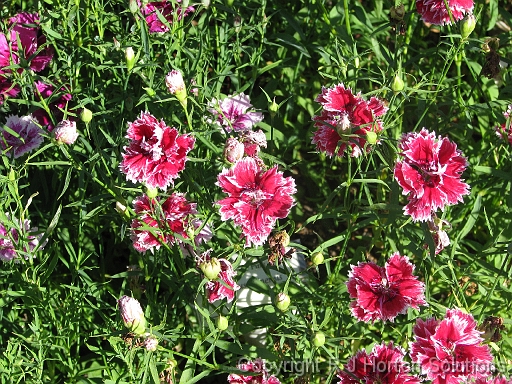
[[167, 9], [29, 136], [10, 239], [232, 113]]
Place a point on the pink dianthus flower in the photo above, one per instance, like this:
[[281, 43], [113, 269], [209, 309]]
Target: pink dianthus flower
[[435, 12], [450, 351], [384, 364], [253, 141], [382, 293], [430, 173], [256, 198], [345, 120], [224, 286], [57, 104], [232, 113], [256, 367], [29, 136], [10, 248], [168, 9], [156, 224], [493, 380], [502, 131], [156, 153]]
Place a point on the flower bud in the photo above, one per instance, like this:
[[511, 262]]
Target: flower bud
[[150, 343], [397, 13], [150, 91], [222, 323], [317, 258], [273, 108], [467, 26], [176, 86], [371, 137], [211, 268], [65, 132], [233, 150], [151, 192], [319, 339], [133, 6], [129, 54], [282, 301], [132, 314], [398, 84], [86, 115]]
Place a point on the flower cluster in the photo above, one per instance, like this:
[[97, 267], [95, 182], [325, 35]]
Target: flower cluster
[[169, 10], [164, 223], [233, 113], [29, 136], [256, 198], [259, 374], [430, 173], [25, 46], [382, 293], [156, 153], [435, 11], [10, 239], [450, 350], [345, 121], [384, 364]]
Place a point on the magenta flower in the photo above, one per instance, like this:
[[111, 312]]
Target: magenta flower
[[7, 89], [258, 369], [256, 198], [450, 351], [11, 248], [382, 293], [384, 364], [156, 153], [168, 9], [29, 136], [493, 380], [435, 12], [57, 104], [502, 131], [253, 141], [157, 224], [232, 113], [430, 173], [224, 286], [345, 120]]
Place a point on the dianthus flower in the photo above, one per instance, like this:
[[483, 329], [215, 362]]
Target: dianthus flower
[[156, 153], [232, 113], [29, 136], [493, 380], [502, 131], [345, 120], [382, 293], [156, 224], [7, 88], [430, 173], [132, 314], [435, 12], [66, 132], [253, 140], [10, 248], [224, 286], [168, 9], [439, 235], [256, 198], [450, 351], [384, 364], [256, 367], [57, 105]]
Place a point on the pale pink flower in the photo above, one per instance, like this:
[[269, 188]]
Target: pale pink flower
[[435, 12], [439, 235], [15, 243], [450, 351], [132, 314], [174, 82], [156, 153], [224, 287], [260, 374], [345, 120], [66, 132], [430, 173], [170, 10], [502, 131], [160, 223], [382, 293], [253, 141], [384, 364], [256, 198], [233, 150], [232, 113], [29, 136], [150, 343], [204, 235]]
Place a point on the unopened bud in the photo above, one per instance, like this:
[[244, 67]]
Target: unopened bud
[[282, 301], [319, 339], [176, 86], [317, 258], [273, 108], [222, 323], [467, 26], [129, 54], [150, 343], [151, 192], [397, 13], [133, 6], [211, 268], [86, 115], [371, 137], [150, 91], [132, 315], [398, 84]]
